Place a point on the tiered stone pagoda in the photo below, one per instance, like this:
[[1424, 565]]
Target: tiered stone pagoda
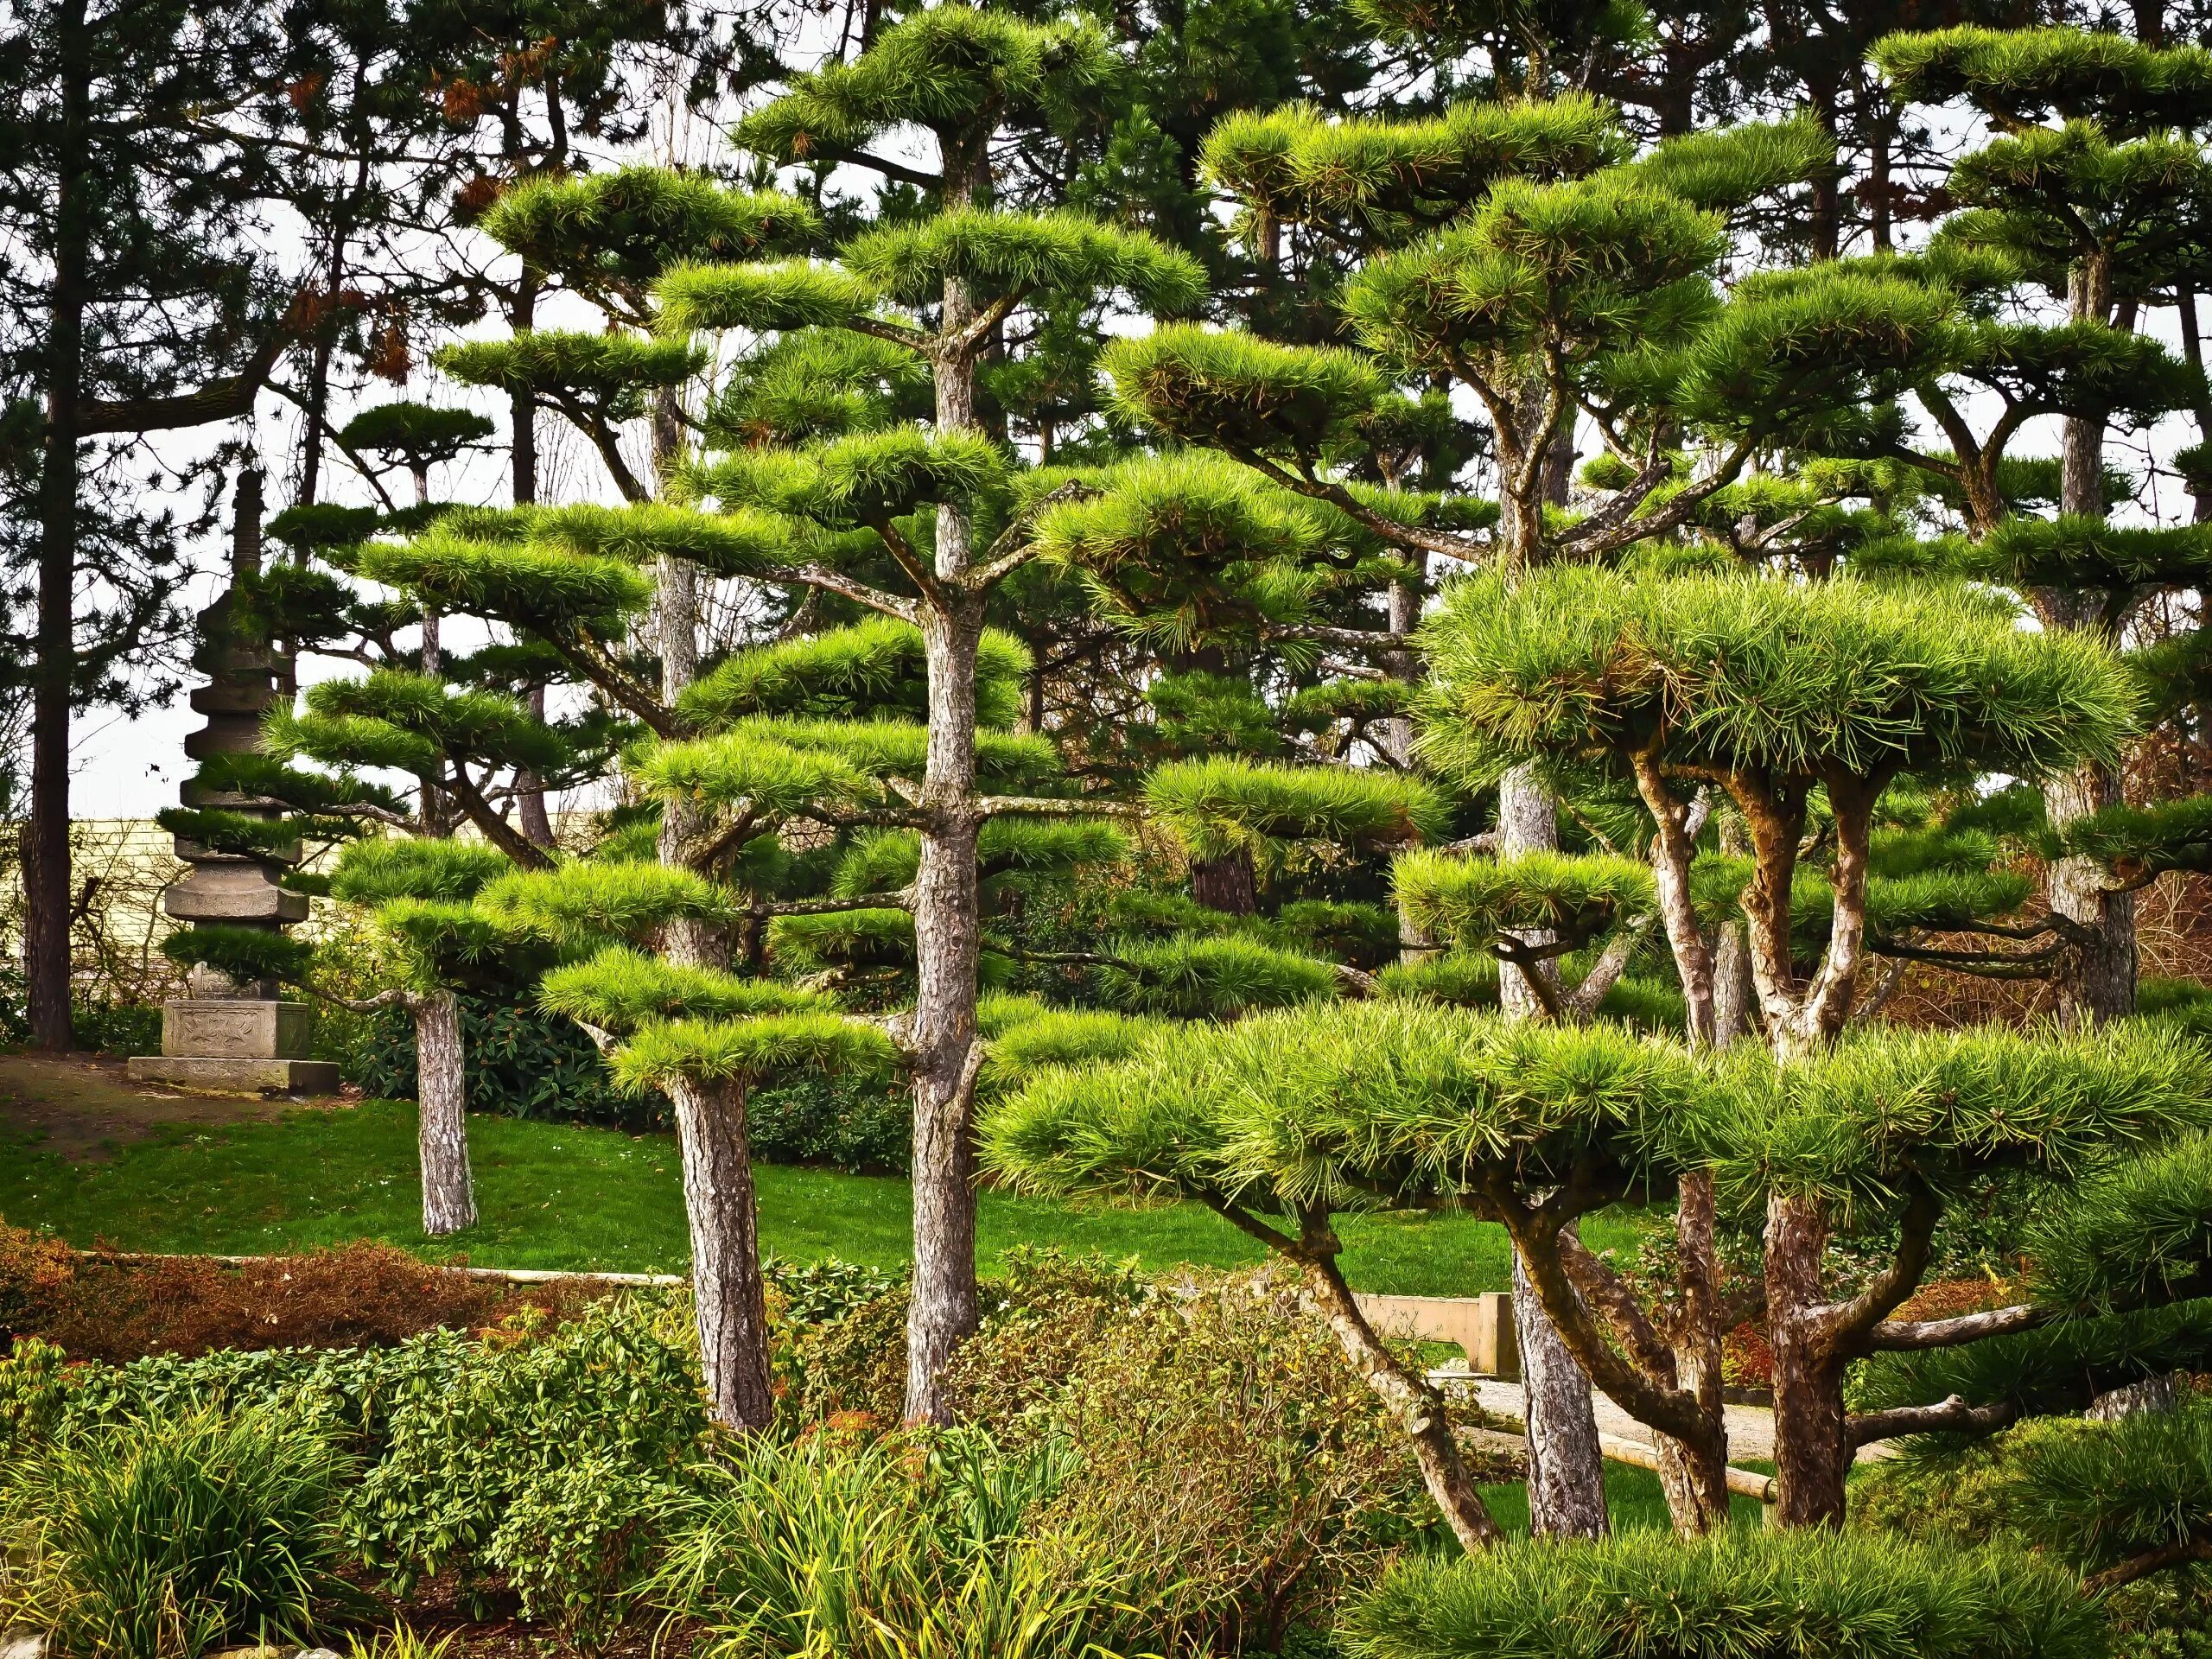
[[240, 1037]]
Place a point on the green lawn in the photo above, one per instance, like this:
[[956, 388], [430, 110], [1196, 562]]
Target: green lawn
[[559, 1196]]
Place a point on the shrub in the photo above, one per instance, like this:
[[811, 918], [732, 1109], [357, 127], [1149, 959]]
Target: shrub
[[352, 1295], [852, 1120], [882, 1549], [541, 1458], [1799, 1595], [35, 1272], [522, 1063], [535, 1457], [158, 1538], [1228, 1449]]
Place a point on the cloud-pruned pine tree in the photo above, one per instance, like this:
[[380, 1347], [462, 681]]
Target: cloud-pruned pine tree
[[2092, 188], [1767, 691], [1282, 1120], [921, 522]]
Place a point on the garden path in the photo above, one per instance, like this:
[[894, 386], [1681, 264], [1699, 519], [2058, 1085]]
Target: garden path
[[1751, 1428]]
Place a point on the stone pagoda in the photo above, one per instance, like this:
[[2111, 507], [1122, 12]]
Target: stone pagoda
[[240, 1037]]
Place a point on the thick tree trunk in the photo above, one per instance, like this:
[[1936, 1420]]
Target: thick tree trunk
[[47, 877], [727, 1289], [1812, 1452], [441, 1140], [1227, 884], [1566, 1467], [941, 1043], [2102, 985], [943, 1047], [1735, 999], [1566, 1470]]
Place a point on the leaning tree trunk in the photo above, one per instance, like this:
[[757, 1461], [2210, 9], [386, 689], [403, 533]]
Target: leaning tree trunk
[[1411, 1399], [1812, 1450], [441, 1138]]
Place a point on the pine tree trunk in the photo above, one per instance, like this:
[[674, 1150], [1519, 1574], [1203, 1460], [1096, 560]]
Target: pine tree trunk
[[1734, 996], [942, 1048], [529, 791], [1693, 1474], [1566, 1467], [1227, 884], [1566, 1470], [1811, 1450], [728, 1291], [442, 1091], [942, 1036], [2101, 986], [47, 877]]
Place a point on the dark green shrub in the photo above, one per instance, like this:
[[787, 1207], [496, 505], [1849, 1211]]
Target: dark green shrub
[[522, 1063], [116, 1027], [847, 1120], [1795, 1595], [161, 1538]]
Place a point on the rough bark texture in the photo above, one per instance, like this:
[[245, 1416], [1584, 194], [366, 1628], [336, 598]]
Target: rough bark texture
[[442, 1139], [1674, 849], [942, 1036], [47, 878], [1812, 1449], [2101, 983], [1566, 1467], [1735, 999], [1694, 1471], [727, 1284], [941, 1045], [1227, 884], [1566, 1472]]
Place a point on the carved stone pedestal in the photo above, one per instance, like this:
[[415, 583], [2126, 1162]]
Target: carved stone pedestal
[[241, 1045]]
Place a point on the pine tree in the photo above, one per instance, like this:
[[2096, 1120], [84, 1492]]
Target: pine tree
[[2091, 189], [959, 272]]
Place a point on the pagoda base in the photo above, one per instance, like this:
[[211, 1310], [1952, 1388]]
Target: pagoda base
[[233, 1075]]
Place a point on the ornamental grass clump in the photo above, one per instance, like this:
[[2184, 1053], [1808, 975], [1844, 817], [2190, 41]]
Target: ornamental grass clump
[[163, 1537]]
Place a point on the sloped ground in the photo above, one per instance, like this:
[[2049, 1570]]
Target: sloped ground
[[82, 1109]]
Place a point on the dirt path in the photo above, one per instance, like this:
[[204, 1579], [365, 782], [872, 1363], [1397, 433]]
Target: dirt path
[[84, 1108]]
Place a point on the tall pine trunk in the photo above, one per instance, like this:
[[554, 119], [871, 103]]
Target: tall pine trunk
[[2102, 985], [441, 1138], [729, 1291], [1566, 1469], [942, 1036], [941, 1044], [47, 878], [720, 1207]]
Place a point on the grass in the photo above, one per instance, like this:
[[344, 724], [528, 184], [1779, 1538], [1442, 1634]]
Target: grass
[[560, 1196], [1633, 1501]]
